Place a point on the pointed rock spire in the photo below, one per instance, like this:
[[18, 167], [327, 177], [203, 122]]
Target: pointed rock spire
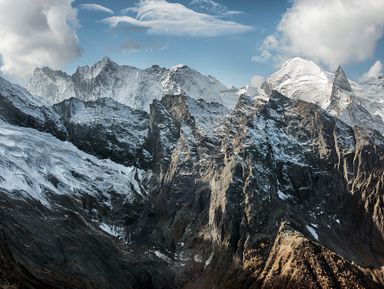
[[341, 80]]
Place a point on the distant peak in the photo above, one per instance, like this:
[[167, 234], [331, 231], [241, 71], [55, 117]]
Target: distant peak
[[341, 79], [179, 66], [105, 61], [49, 72]]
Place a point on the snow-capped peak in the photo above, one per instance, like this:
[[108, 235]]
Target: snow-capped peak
[[303, 79]]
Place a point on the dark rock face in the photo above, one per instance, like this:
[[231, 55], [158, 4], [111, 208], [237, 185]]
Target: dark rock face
[[276, 194], [72, 252], [107, 129], [17, 107], [341, 80]]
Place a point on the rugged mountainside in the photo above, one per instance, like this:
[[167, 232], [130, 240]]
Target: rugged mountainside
[[276, 193], [355, 104], [129, 85]]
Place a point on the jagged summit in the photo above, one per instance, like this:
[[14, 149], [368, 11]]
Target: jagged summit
[[341, 80], [129, 85], [93, 71]]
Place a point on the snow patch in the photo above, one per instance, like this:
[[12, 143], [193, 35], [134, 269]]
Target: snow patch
[[111, 230], [282, 196], [313, 232], [209, 260], [162, 256]]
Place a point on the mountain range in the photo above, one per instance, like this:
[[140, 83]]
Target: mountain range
[[118, 177], [131, 86]]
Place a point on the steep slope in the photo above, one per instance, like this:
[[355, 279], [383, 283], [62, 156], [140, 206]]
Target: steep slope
[[304, 80], [35, 165], [371, 94], [62, 212], [300, 263], [221, 206], [290, 161], [129, 85]]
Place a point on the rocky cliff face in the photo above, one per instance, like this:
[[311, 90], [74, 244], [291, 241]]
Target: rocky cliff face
[[276, 193]]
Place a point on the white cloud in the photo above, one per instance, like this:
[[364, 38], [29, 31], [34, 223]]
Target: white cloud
[[162, 17], [36, 33], [269, 44], [334, 32], [96, 7], [375, 71]]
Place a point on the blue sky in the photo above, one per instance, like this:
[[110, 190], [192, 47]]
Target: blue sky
[[231, 40], [226, 57]]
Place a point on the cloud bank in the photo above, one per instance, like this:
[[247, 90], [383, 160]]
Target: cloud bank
[[95, 7], [162, 17], [333, 32], [36, 33]]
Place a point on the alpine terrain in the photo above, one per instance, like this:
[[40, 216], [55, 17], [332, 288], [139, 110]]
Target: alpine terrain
[[117, 177]]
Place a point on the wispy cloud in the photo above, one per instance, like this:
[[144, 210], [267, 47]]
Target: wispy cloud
[[95, 7], [134, 46], [266, 49], [212, 7], [127, 46], [331, 32], [130, 46], [162, 17]]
